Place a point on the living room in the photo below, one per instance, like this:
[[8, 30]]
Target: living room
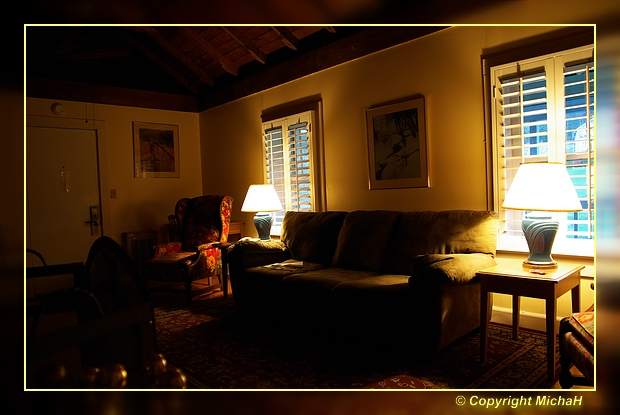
[[220, 148], [145, 206]]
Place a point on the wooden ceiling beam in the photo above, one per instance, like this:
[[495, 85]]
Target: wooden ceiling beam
[[224, 63], [158, 61], [286, 37], [246, 43], [154, 34], [365, 42]]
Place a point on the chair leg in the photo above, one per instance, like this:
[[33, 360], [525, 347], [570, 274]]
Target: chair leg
[[188, 285], [566, 378]]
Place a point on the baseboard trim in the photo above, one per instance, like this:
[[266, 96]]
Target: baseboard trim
[[528, 320]]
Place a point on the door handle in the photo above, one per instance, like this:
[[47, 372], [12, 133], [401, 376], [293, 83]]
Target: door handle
[[94, 220]]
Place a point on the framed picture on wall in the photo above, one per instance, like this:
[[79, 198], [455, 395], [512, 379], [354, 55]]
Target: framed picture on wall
[[156, 150], [397, 156]]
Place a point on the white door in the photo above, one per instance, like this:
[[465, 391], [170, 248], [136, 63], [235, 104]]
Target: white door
[[62, 187]]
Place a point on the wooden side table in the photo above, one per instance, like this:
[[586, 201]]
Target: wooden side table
[[235, 231], [514, 279]]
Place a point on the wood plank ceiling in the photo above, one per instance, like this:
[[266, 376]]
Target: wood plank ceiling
[[189, 68]]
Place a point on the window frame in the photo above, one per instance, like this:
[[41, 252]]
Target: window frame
[[574, 39], [290, 116]]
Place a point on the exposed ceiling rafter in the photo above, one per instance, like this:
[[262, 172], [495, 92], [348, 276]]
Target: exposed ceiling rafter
[[256, 53], [287, 38], [204, 77], [223, 61], [189, 68], [159, 62]]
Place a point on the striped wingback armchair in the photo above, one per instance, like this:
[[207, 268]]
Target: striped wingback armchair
[[201, 221]]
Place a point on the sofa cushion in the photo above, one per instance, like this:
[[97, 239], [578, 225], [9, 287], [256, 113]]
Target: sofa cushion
[[309, 293], [444, 232], [321, 281], [363, 239], [369, 291], [312, 236], [453, 268]]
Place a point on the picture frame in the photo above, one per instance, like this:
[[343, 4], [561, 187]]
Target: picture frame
[[156, 150], [397, 145]]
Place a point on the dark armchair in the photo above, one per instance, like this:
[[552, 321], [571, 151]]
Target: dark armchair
[[577, 348], [197, 223], [77, 335]]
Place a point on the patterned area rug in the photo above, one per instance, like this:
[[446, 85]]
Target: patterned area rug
[[217, 348]]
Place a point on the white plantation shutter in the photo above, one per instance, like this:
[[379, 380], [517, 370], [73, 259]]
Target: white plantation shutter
[[543, 110], [275, 165], [579, 145], [290, 164], [524, 132]]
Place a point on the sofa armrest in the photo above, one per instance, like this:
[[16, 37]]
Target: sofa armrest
[[451, 268], [247, 253]]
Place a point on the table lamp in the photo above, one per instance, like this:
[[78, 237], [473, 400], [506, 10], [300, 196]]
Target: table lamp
[[541, 187], [262, 199]]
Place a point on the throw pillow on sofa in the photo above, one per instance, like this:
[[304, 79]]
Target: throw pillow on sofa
[[363, 239], [453, 268], [312, 236]]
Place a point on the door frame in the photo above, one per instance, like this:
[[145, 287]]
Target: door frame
[[87, 123]]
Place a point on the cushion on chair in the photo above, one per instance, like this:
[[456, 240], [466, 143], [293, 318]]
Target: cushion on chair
[[166, 249]]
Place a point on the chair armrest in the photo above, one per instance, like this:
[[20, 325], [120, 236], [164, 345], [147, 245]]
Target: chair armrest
[[204, 247], [247, 253]]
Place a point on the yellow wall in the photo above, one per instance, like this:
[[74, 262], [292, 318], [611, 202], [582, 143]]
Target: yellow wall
[[444, 67], [141, 204]]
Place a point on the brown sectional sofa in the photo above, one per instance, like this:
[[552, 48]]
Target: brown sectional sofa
[[370, 277]]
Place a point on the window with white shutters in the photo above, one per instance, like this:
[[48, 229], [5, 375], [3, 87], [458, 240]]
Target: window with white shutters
[[543, 110], [291, 164]]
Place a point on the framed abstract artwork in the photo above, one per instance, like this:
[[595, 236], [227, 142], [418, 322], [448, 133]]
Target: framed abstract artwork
[[156, 150], [397, 147]]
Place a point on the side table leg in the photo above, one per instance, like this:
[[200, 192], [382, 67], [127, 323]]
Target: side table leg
[[484, 322], [575, 295], [551, 310], [516, 314]]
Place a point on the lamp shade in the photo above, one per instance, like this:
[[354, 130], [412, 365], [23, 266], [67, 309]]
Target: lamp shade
[[261, 198], [542, 187]]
